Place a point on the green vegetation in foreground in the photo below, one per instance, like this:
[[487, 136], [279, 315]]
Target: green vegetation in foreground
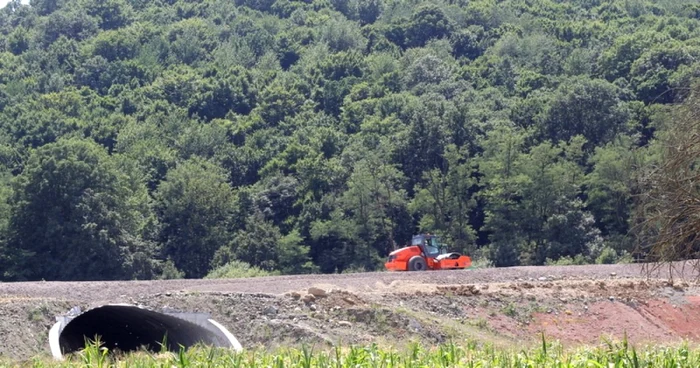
[[471, 354]]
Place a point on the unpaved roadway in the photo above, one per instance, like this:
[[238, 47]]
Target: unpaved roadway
[[103, 290]]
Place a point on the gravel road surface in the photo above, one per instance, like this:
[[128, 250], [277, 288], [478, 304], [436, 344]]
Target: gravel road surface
[[101, 290]]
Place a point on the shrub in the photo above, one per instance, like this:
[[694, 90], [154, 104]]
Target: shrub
[[237, 269], [169, 271], [607, 256], [567, 261]]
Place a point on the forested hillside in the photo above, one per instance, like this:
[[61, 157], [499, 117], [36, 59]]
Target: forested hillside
[[156, 139]]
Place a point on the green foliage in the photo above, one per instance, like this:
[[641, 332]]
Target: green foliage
[[591, 108], [194, 203], [235, 270], [466, 354], [255, 244], [567, 261], [169, 271], [607, 256], [73, 204], [611, 185], [447, 200], [317, 136], [294, 255]]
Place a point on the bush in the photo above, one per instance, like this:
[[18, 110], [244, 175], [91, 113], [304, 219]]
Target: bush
[[355, 269], [170, 272], [607, 256], [481, 262], [480, 259], [567, 261], [238, 269], [625, 257]]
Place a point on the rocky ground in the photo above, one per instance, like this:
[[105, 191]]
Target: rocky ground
[[574, 304]]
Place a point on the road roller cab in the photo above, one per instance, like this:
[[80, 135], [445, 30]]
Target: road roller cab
[[426, 252]]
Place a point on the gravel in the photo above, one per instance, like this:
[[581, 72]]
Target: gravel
[[95, 291]]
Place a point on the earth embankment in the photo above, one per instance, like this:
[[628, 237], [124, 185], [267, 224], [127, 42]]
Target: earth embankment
[[574, 304]]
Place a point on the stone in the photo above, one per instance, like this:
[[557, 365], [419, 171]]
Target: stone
[[344, 324], [308, 298], [414, 325], [271, 310], [317, 292], [313, 307]]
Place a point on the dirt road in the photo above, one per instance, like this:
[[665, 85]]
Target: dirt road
[[102, 290]]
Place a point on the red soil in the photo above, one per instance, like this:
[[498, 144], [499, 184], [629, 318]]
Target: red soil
[[654, 320]]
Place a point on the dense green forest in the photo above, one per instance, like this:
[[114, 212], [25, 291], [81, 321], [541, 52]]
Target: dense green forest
[[159, 139]]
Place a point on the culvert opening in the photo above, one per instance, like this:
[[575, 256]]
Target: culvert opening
[[127, 328]]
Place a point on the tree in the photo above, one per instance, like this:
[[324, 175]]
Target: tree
[[611, 186], [652, 73], [590, 108], [368, 11], [467, 43], [7, 255], [532, 200], [427, 22], [294, 254], [445, 201], [77, 217], [146, 146], [376, 201], [112, 14], [346, 125], [334, 244], [45, 7], [194, 204], [616, 62], [429, 126], [371, 211], [255, 244], [666, 223], [71, 24], [501, 180]]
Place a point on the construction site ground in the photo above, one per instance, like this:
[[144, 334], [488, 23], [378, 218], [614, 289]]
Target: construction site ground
[[505, 306]]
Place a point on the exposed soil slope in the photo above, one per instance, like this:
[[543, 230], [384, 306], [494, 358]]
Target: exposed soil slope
[[575, 304]]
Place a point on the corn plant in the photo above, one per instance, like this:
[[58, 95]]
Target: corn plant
[[469, 354]]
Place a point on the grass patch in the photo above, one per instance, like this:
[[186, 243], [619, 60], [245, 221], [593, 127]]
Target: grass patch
[[509, 310], [481, 323], [466, 354], [37, 314]]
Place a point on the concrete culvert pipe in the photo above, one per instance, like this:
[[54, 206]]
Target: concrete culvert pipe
[[127, 328]]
